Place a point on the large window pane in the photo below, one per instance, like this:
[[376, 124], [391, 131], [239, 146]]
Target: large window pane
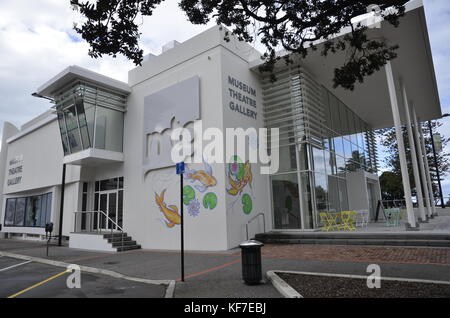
[[73, 133], [83, 124], [109, 129], [33, 211], [19, 216], [109, 184], [49, 208], [343, 194], [9, 212], [287, 159], [286, 204], [333, 194], [321, 189], [319, 160]]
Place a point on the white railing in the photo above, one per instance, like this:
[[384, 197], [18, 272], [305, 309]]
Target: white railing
[[96, 222]]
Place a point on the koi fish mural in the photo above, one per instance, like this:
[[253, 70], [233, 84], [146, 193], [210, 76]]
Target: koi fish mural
[[240, 180], [239, 176], [170, 212], [204, 178]]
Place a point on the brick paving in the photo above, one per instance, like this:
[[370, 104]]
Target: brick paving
[[406, 255]]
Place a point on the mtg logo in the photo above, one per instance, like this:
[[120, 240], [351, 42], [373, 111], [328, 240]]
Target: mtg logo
[[170, 108]]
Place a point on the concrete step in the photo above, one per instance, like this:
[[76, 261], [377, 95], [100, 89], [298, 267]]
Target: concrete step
[[125, 243], [114, 235], [119, 239], [128, 248], [380, 239], [417, 243]]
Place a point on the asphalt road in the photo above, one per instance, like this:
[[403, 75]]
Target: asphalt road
[[24, 279]]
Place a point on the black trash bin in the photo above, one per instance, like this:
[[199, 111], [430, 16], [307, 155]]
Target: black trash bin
[[251, 262]]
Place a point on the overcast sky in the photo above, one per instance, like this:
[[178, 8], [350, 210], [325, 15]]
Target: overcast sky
[[37, 41]]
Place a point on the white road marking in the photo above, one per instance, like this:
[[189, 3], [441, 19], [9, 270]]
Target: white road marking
[[6, 268]]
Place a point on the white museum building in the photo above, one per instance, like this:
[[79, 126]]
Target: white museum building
[[99, 159]]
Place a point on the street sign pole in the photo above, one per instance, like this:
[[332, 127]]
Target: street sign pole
[[180, 171]]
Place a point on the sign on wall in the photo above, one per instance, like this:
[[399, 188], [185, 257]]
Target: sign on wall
[[15, 168], [242, 98]]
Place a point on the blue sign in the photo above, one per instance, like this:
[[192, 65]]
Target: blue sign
[[180, 168]]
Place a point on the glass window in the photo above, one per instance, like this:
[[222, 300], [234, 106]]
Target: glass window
[[10, 211], [120, 209], [321, 190], [347, 148], [62, 128], [306, 200], [286, 204], [109, 129], [319, 160], [287, 158], [339, 146], [343, 194], [83, 124], [49, 208], [333, 194], [340, 165], [330, 162], [73, 133], [121, 183], [109, 184], [33, 211], [19, 216]]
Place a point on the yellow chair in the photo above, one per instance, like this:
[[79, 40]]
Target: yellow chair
[[327, 222], [348, 219]]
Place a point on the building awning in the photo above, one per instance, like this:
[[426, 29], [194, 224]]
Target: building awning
[[414, 66], [72, 73]]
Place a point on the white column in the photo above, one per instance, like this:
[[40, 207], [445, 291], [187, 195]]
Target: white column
[[427, 172], [400, 144], [413, 155], [421, 162]]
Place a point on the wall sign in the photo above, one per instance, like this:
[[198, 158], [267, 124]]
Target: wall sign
[[15, 170], [242, 98]]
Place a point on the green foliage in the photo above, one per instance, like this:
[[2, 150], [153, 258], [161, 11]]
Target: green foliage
[[388, 140], [292, 25]]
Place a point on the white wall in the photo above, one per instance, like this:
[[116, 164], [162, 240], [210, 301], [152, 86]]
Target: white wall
[[142, 217], [258, 191], [42, 155]]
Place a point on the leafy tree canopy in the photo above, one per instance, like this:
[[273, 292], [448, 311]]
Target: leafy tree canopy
[[292, 25]]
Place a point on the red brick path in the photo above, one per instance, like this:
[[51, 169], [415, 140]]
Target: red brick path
[[434, 256]]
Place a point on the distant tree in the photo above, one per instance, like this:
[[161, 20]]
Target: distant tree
[[292, 25], [392, 161], [391, 186]]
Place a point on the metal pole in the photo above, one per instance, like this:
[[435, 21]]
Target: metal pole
[[61, 207], [436, 164], [182, 227]]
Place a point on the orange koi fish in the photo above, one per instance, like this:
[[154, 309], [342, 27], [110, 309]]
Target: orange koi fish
[[171, 212], [205, 177], [238, 187]]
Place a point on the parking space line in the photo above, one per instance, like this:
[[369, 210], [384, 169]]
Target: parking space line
[[38, 284], [9, 267]]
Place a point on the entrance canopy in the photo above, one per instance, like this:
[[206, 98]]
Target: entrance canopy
[[413, 66]]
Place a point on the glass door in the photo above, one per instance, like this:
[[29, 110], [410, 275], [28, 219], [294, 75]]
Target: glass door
[[107, 204]]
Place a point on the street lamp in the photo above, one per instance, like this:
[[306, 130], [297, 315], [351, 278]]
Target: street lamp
[[435, 161]]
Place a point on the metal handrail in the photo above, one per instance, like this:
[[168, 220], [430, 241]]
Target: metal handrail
[[252, 219], [108, 219]]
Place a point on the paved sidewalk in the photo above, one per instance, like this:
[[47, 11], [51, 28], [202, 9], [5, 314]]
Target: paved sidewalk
[[218, 274]]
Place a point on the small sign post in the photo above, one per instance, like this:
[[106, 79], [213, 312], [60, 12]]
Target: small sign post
[[180, 171]]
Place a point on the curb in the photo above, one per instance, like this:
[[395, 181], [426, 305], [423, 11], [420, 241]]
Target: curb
[[288, 292], [284, 288], [169, 283]]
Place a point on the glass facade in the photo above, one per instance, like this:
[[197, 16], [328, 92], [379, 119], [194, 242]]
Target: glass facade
[[90, 117], [321, 141], [32, 211]]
